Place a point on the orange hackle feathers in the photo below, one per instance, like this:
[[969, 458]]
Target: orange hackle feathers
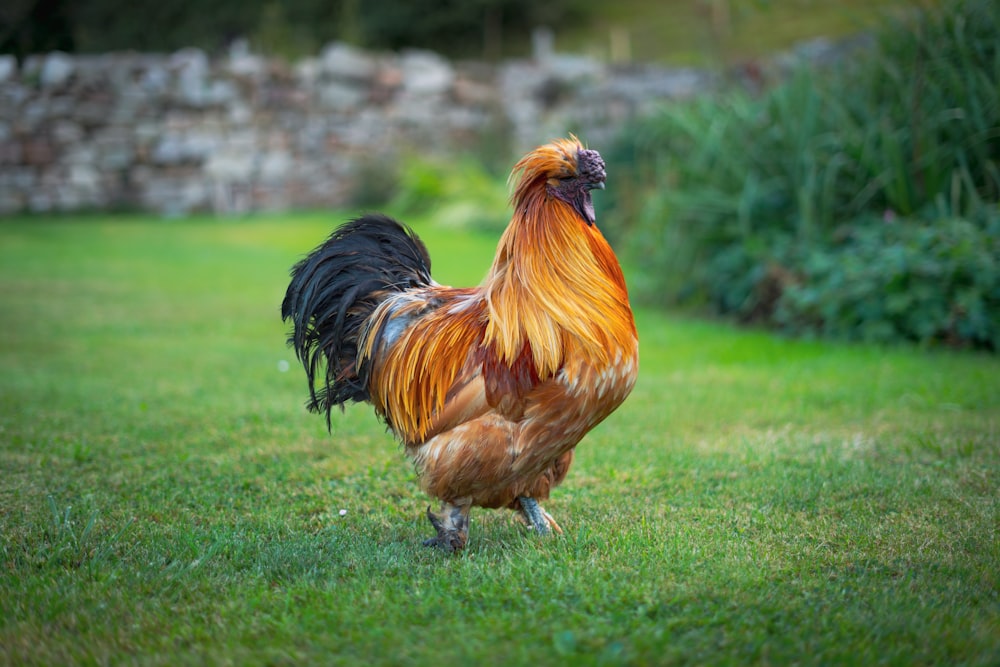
[[555, 283]]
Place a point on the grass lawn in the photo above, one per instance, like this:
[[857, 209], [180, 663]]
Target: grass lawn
[[165, 498]]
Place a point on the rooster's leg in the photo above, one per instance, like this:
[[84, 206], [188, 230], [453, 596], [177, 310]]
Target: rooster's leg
[[536, 517], [452, 525]]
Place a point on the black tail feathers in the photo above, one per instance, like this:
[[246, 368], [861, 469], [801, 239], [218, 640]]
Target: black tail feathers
[[333, 292]]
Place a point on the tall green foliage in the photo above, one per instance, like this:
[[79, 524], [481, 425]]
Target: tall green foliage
[[757, 205]]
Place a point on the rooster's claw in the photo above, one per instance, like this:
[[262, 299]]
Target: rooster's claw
[[536, 518], [452, 525], [446, 544]]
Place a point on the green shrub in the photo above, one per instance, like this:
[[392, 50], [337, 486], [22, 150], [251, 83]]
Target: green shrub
[[901, 279], [735, 200], [456, 192]]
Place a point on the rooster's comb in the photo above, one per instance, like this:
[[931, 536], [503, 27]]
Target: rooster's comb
[[558, 159]]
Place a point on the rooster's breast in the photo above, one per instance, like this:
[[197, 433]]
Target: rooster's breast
[[492, 459]]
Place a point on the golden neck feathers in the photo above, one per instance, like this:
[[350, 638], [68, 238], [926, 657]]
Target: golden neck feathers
[[555, 284]]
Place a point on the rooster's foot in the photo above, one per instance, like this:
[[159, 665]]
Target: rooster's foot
[[452, 525], [536, 518]]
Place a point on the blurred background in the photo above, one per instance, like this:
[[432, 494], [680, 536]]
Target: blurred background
[[819, 168], [669, 31]]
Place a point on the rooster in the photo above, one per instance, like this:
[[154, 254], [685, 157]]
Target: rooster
[[489, 388]]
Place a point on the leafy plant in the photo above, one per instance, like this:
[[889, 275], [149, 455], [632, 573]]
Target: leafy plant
[[732, 195], [901, 279], [454, 192]]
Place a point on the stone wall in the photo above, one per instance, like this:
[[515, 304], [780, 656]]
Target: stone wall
[[181, 132]]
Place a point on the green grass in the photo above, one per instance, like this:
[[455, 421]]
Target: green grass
[[165, 498]]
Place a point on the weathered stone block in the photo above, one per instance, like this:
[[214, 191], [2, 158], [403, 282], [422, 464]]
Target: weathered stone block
[[347, 63], [426, 73], [56, 69], [340, 96], [8, 67]]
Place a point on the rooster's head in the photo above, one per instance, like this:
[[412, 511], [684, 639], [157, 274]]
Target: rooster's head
[[563, 169]]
